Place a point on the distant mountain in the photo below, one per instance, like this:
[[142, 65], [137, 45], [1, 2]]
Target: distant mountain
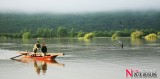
[[102, 21]]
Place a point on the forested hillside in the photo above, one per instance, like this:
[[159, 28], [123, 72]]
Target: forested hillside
[[102, 21]]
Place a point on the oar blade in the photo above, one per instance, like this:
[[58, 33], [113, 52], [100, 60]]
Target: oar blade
[[13, 58]]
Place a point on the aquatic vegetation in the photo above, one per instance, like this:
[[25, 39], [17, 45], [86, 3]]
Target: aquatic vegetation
[[151, 37], [115, 36], [136, 34], [89, 35]]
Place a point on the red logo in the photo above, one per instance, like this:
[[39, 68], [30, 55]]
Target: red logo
[[137, 73]]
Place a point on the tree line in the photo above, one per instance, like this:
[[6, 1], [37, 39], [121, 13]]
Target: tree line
[[102, 21], [45, 32], [102, 24]]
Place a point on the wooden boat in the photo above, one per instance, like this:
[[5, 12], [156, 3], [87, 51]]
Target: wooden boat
[[39, 56], [48, 57]]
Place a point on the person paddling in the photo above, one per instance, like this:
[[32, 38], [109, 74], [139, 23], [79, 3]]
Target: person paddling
[[36, 47], [44, 49]]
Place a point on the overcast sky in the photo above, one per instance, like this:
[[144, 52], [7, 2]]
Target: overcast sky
[[70, 6]]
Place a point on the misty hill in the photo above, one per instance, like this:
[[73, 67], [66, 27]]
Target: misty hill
[[103, 21]]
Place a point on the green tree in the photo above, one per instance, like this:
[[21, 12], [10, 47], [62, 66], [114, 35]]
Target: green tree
[[26, 35], [89, 35], [72, 32], [115, 35], [61, 32], [137, 34], [81, 33], [3, 38], [17, 35], [44, 32], [158, 33], [151, 36]]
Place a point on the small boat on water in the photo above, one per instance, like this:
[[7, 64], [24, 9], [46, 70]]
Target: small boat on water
[[38, 56], [48, 57]]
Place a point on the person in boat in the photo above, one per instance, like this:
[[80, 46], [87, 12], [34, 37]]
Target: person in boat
[[44, 49], [36, 47]]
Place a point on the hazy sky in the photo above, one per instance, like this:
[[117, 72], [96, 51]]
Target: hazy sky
[[69, 6]]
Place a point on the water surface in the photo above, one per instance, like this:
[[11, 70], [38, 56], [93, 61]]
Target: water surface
[[100, 58]]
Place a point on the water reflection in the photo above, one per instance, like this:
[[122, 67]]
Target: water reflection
[[151, 40], [136, 42], [84, 41], [25, 41], [98, 60], [40, 66]]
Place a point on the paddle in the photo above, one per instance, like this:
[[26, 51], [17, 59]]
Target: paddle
[[13, 58]]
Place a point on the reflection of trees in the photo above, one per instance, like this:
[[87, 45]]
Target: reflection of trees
[[25, 41], [84, 41], [136, 41], [151, 39], [87, 41]]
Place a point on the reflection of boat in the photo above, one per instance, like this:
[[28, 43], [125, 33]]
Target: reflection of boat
[[29, 60], [29, 57], [40, 66]]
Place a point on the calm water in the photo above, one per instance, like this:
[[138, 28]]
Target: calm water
[[100, 58]]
